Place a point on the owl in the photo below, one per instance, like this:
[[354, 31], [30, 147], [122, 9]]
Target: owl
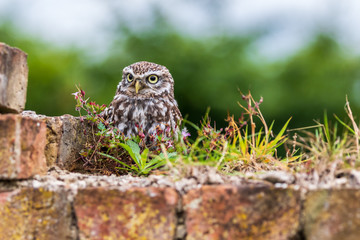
[[144, 101]]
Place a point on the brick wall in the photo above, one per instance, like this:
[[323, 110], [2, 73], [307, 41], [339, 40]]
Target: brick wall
[[41, 199]]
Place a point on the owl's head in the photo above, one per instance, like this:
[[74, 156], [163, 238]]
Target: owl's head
[[146, 79]]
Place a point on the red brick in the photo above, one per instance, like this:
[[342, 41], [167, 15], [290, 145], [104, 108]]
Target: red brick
[[66, 136], [332, 214], [137, 213], [35, 214], [22, 144], [248, 212], [13, 79]]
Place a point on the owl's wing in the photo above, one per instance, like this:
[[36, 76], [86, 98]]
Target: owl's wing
[[108, 112], [175, 111]]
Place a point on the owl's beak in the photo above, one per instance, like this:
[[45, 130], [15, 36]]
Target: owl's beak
[[137, 86]]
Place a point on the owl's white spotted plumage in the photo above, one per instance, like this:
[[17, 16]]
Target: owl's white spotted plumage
[[144, 100]]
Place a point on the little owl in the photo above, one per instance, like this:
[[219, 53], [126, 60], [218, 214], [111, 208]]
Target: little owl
[[144, 101]]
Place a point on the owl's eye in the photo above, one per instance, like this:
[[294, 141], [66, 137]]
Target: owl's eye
[[130, 77], [153, 78]]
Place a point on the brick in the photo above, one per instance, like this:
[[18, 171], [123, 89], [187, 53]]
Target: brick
[[137, 213], [246, 212], [22, 143], [35, 214], [66, 136], [54, 127], [332, 214], [53, 135], [75, 135], [13, 79]]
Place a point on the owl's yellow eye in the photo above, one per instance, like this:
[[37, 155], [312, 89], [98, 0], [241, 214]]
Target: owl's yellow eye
[[153, 79], [130, 77]]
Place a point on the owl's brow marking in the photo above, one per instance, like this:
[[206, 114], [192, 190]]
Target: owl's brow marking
[[158, 73], [128, 70]]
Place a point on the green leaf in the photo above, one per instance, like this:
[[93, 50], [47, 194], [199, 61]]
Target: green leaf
[[144, 157], [171, 155], [279, 138], [326, 128], [101, 126], [130, 152], [345, 125], [115, 159], [134, 146], [144, 154], [155, 165], [191, 124]]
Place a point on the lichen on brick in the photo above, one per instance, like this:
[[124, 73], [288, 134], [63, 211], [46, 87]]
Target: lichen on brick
[[29, 213], [137, 213], [247, 212]]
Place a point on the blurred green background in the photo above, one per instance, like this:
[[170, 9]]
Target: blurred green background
[[209, 69]]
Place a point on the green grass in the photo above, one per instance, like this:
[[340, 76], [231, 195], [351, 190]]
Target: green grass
[[330, 147], [241, 146], [245, 145]]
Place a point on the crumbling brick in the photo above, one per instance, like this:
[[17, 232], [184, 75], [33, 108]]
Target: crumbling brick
[[66, 136], [75, 135], [13, 79]]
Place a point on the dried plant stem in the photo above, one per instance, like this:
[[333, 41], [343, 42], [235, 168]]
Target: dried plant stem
[[95, 149], [163, 149], [224, 151], [356, 128], [253, 127]]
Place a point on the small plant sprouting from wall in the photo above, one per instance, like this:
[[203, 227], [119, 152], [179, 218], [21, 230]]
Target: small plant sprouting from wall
[[330, 149], [240, 147], [111, 152]]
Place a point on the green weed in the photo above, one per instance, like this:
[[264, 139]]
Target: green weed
[[329, 148], [111, 152], [240, 147]]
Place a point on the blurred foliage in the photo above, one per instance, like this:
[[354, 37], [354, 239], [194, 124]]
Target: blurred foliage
[[53, 72], [208, 71]]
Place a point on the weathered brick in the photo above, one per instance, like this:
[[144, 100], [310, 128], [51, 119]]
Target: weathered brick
[[54, 129], [35, 214], [332, 214], [246, 212], [13, 79], [75, 135], [66, 136], [22, 143], [137, 213]]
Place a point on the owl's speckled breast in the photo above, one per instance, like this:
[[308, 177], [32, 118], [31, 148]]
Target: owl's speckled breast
[[132, 115]]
